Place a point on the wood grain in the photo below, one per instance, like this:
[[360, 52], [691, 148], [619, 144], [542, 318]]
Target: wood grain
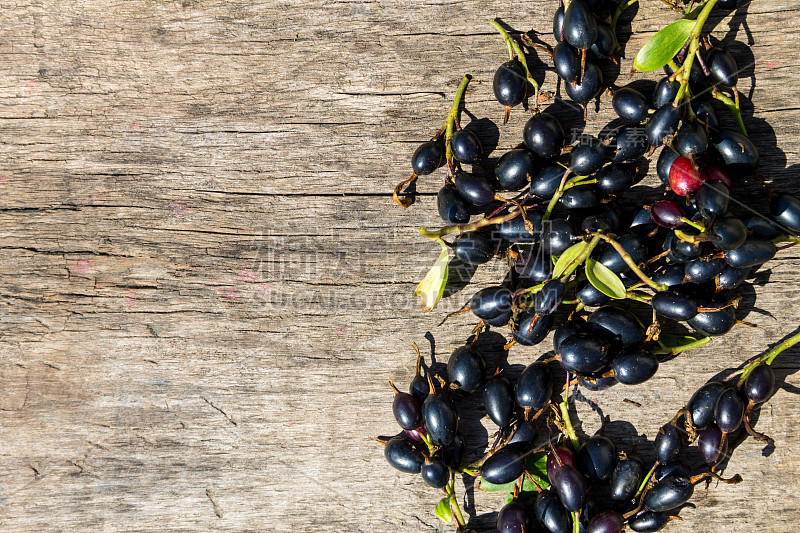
[[205, 285]]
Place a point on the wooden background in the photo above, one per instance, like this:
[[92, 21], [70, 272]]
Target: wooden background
[[204, 284]]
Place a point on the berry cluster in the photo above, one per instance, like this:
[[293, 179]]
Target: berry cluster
[[554, 211]]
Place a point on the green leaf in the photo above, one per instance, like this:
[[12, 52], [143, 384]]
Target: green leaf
[[443, 510], [663, 46], [431, 288], [567, 257], [673, 341], [604, 280], [536, 466]]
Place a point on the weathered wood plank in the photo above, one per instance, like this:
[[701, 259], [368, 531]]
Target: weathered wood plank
[[205, 285]]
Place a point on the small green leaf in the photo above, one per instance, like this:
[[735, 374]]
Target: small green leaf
[[431, 288], [509, 498], [567, 257], [673, 341], [604, 280], [443, 510], [663, 46]]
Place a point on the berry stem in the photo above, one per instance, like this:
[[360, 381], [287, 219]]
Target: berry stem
[[767, 358], [631, 263], [645, 481], [576, 522], [450, 122], [565, 184], [513, 46], [563, 408], [447, 230], [682, 348], [733, 107], [454, 508], [617, 13], [578, 261]]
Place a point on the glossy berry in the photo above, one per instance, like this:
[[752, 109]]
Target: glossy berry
[[614, 179], [605, 44], [633, 367], [753, 252], [587, 157], [546, 182], [551, 514], [632, 244], [674, 305], [558, 24], [531, 329], [664, 164], [702, 270], [570, 485], [557, 457], [525, 432], [671, 276], [605, 522], [535, 386], [583, 353], [729, 410], [435, 473], [662, 123], [474, 189], [590, 85], [762, 229], [466, 368], [589, 295], [714, 323], [567, 62], [598, 384], [440, 418], [684, 179], [728, 233], [594, 223], [514, 169], [785, 209], [474, 247], [686, 249], [617, 326], [452, 207], [630, 105], [703, 402], [597, 458], [629, 145], [667, 214], [648, 522], [691, 139], [406, 411], [626, 478], [491, 302], [418, 388], [498, 400], [466, 146], [427, 158], [510, 84], [722, 67], [668, 443], [544, 135], [713, 198], [712, 444], [665, 91], [673, 468], [705, 112], [513, 518], [534, 265], [580, 28], [731, 277], [549, 297], [760, 384], [401, 454], [505, 465], [453, 454], [738, 152], [581, 197], [669, 493], [557, 236], [514, 230]]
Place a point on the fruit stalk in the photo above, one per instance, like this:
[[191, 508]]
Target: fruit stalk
[[450, 122], [513, 46], [767, 358]]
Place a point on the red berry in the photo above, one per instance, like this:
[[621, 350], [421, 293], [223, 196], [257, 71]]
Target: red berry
[[667, 214], [720, 174], [684, 179]]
